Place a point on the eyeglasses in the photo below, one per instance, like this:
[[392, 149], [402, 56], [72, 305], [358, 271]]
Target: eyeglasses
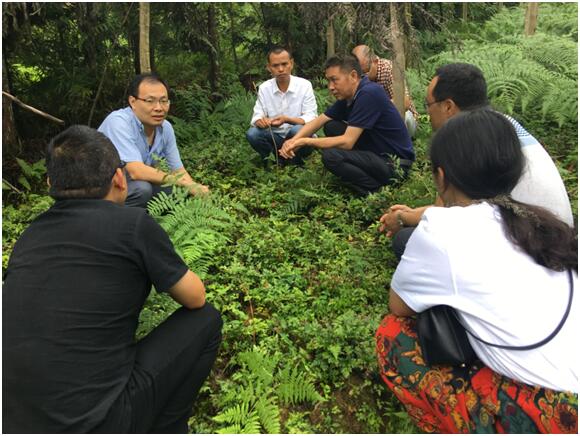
[[427, 104], [122, 165], [153, 102]]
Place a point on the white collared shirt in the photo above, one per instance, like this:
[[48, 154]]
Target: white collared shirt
[[297, 101]]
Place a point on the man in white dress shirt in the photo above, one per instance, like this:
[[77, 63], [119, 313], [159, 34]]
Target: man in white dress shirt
[[285, 103]]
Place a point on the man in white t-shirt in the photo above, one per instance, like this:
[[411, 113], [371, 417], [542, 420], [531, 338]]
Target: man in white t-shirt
[[284, 104], [462, 87]]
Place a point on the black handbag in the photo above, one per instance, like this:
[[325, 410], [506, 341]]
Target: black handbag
[[444, 341]]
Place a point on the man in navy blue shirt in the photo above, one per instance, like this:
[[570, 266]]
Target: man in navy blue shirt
[[365, 133]]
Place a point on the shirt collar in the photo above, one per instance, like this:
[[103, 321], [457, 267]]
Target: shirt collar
[[291, 86], [363, 82]]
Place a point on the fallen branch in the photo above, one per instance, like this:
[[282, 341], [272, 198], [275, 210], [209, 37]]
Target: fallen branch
[[11, 186], [32, 109]]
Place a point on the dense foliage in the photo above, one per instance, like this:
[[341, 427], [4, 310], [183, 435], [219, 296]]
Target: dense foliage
[[291, 258]]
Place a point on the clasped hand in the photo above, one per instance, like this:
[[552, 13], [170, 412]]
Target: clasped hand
[[389, 222], [264, 123], [288, 149]]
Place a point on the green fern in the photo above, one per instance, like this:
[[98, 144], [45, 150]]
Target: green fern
[[269, 413], [254, 404], [296, 387], [196, 226], [528, 74]]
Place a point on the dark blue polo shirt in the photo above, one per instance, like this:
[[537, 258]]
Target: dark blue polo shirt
[[371, 110]]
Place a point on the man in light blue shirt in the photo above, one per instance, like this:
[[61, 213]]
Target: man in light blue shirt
[[142, 136], [284, 104]]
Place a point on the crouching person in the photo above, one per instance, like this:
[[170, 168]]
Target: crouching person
[[73, 290], [509, 270]]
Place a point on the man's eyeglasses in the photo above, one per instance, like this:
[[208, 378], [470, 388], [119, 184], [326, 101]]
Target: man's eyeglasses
[[153, 101], [122, 165], [427, 104]]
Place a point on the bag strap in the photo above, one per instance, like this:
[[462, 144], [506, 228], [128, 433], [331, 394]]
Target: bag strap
[[537, 344]]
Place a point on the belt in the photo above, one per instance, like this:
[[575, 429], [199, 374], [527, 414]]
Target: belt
[[402, 162]]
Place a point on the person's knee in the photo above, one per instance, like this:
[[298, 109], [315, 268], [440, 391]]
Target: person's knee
[[334, 128], [332, 158], [253, 135], [293, 131], [214, 316], [400, 240], [139, 193]]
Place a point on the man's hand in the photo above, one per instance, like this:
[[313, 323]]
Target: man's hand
[[198, 189], [279, 120], [264, 123], [290, 146], [390, 221]]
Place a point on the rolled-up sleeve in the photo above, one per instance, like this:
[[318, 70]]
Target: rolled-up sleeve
[[120, 132], [309, 107]]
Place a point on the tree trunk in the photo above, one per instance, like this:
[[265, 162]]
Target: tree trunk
[[330, 37], [213, 54], [10, 144], [398, 60], [531, 18], [265, 21], [233, 35], [144, 52], [464, 14]]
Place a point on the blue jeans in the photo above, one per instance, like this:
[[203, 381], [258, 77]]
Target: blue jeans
[[261, 141], [140, 192]]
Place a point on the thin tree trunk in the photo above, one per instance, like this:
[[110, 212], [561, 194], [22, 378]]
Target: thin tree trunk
[[531, 18], [10, 143], [398, 60], [233, 35], [264, 21], [330, 37], [144, 52], [213, 54], [464, 14]]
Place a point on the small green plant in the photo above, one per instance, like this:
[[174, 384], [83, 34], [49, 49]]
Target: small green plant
[[32, 173], [196, 226], [254, 405]]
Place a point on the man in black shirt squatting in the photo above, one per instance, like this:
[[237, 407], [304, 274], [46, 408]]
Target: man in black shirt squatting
[[75, 284], [365, 134]]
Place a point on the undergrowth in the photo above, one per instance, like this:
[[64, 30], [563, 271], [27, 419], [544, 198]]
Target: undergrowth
[[294, 262]]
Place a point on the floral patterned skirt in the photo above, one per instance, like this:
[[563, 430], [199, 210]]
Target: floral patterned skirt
[[474, 399]]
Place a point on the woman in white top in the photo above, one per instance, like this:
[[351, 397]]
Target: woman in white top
[[503, 265]]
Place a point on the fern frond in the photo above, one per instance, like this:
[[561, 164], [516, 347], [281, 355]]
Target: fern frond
[[269, 413], [296, 387]]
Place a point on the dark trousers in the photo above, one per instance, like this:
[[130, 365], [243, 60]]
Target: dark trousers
[[140, 192], [172, 363], [399, 242], [363, 170], [261, 141]]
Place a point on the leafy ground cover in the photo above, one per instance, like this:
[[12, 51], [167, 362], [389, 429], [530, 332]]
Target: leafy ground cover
[[294, 261]]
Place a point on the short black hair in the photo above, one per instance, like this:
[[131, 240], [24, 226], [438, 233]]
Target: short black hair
[[146, 77], [80, 163], [480, 152], [346, 62], [462, 83], [277, 49]]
